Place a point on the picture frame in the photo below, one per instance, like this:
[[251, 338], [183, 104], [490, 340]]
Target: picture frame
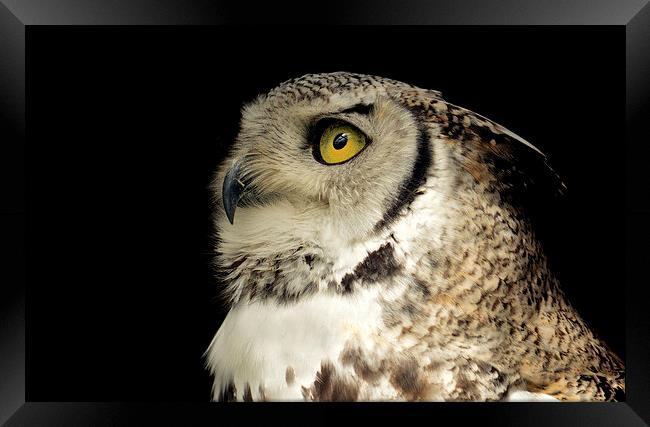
[[17, 24]]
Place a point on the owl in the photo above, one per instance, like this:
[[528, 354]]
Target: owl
[[374, 245]]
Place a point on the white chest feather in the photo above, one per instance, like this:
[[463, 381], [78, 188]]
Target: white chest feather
[[279, 348]]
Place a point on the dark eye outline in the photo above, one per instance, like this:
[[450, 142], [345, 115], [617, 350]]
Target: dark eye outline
[[316, 131]]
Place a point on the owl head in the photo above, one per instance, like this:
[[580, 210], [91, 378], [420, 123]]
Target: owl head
[[324, 156]]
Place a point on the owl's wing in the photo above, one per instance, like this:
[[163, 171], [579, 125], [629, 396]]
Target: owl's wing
[[498, 156]]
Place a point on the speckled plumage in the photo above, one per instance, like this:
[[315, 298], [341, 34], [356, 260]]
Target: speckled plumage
[[410, 272]]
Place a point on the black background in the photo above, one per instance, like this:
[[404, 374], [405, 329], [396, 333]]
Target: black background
[[126, 126]]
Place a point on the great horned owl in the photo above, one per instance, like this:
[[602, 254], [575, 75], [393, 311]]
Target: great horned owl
[[374, 247]]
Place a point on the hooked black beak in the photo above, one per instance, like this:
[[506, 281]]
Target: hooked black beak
[[233, 190]]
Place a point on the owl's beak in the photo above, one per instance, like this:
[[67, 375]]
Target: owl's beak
[[233, 190]]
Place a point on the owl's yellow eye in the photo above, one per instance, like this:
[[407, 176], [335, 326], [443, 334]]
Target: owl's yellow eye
[[340, 142]]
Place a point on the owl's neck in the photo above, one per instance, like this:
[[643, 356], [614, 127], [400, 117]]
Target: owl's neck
[[306, 267]]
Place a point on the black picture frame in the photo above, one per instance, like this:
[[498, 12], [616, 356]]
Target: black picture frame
[[17, 17]]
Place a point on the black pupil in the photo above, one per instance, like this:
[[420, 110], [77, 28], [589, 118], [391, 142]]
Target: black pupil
[[340, 141]]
